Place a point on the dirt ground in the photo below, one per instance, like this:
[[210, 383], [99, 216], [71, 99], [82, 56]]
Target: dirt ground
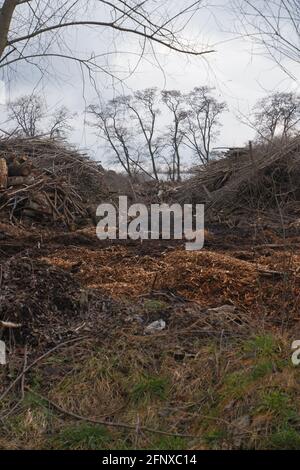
[[82, 373]]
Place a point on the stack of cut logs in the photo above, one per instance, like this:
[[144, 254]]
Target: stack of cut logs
[[15, 171], [28, 192]]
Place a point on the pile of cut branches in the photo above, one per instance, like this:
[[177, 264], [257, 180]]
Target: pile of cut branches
[[45, 180], [261, 178], [44, 199]]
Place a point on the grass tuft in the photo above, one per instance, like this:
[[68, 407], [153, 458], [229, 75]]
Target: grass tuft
[[284, 439], [262, 346], [82, 436], [149, 388], [279, 404]]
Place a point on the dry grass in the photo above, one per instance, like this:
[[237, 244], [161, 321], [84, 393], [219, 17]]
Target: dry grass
[[200, 388]]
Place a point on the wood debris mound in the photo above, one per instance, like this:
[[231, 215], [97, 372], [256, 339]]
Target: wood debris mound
[[43, 180], [42, 304], [259, 178]]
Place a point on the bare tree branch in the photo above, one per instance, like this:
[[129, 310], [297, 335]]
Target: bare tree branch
[[274, 24], [40, 28]]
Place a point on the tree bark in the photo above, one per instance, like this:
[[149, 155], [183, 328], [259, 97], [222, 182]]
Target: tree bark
[[6, 14], [3, 173]]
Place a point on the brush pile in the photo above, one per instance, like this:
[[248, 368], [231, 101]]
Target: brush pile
[[44, 180], [256, 179]]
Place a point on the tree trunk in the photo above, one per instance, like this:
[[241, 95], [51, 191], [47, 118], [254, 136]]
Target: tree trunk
[[6, 14], [3, 173]]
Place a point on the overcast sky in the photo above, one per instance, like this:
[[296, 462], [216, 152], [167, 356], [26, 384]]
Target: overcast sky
[[237, 69]]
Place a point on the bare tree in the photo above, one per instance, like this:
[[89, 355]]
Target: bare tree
[[36, 30], [203, 121], [144, 108], [29, 116], [111, 121], [277, 115], [60, 123], [26, 114], [174, 100], [141, 142], [274, 24]]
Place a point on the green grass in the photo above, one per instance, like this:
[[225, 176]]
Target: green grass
[[279, 404], [235, 384], [33, 401], [262, 369], [286, 438], [148, 388], [82, 436], [168, 443], [214, 438], [262, 346], [264, 351]]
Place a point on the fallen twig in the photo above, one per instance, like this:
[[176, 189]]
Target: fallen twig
[[7, 324], [108, 423]]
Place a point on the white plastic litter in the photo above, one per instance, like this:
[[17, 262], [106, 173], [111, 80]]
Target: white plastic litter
[[154, 327]]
